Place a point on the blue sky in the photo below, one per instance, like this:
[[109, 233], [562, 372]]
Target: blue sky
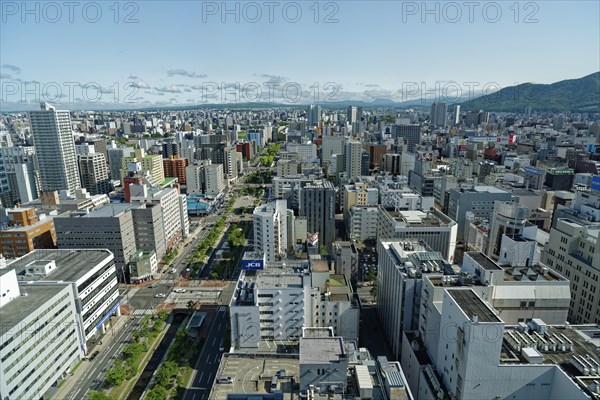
[[181, 52]]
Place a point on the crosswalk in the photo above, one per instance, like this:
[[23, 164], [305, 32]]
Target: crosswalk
[[143, 312]]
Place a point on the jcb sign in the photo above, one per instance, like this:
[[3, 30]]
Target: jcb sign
[[252, 265]]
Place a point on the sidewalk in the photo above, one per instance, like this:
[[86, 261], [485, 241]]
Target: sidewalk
[[85, 365]]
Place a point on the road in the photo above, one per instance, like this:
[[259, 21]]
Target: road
[[209, 359]]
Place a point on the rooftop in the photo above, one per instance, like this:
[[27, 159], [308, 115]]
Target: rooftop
[[106, 211], [322, 350], [251, 374], [472, 305], [484, 261], [421, 218], [71, 265], [17, 310]]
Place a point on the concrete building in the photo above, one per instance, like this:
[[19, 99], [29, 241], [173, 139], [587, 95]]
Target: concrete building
[[323, 364], [463, 349], [205, 178], [173, 207], [362, 222], [54, 148], [508, 219], [439, 114], [91, 274], [26, 231], [433, 227], [149, 230], [479, 200], [143, 266], [115, 160], [399, 284], [108, 227], [270, 230], [358, 194], [94, 173], [352, 158], [345, 259], [289, 187], [411, 134], [19, 169], [275, 304], [306, 151], [331, 145], [152, 164], [174, 167], [48, 315], [573, 251], [317, 204]]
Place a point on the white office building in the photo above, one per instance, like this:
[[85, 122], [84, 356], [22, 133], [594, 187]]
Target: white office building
[[40, 341], [270, 230], [54, 148]]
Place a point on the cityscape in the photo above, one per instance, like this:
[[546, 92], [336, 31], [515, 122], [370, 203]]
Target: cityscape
[[291, 208]]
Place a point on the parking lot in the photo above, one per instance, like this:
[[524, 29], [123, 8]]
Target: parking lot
[[253, 375], [367, 261]]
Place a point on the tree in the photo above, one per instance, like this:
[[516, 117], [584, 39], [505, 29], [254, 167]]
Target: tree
[[116, 374], [157, 393], [373, 291], [166, 372], [97, 395], [191, 305]]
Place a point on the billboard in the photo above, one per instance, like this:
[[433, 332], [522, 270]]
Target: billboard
[[534, 171], [253, 265], [596, 182]]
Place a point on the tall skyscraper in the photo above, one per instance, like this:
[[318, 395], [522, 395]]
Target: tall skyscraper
[[313, 114], [352, 114], [54, 148], [94, 173], [439, 114], [457, 115]]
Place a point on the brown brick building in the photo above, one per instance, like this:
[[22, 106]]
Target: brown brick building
[[26, 232]]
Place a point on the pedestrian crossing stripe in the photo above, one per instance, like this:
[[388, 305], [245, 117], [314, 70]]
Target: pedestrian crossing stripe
[[143, 312]]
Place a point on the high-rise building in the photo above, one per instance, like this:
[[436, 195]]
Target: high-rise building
[[54, 148], [317, 204], [205, 178], [170, 149], [174, 167], [353, 158], [573, 251], [457, 115], [115, 160], [174, 211], [331, 145], [352, 115], [19, 170], [270, 230], [94, 173], [313, 114], [410, 133], [438, 115], [150, 163], [108, 227]]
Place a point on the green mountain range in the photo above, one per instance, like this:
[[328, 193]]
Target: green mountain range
[[577, 95]]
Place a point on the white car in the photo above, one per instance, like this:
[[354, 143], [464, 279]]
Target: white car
[[160, 295], [180, 290]]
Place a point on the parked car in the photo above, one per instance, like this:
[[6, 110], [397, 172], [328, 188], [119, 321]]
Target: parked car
[[225, 379]]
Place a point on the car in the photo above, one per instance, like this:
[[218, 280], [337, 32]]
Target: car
[[221, 349], [154, 285], [180, 290], [187, 270], [174, 271], [159, 295], [225, 379], [280, 373]]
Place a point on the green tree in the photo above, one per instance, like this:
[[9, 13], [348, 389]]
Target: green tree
[[166, 372], [157, 393], [116, 374], [98, 395], [373, 291]]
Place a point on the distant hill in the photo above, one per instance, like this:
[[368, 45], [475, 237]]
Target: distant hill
[[578, 95]]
